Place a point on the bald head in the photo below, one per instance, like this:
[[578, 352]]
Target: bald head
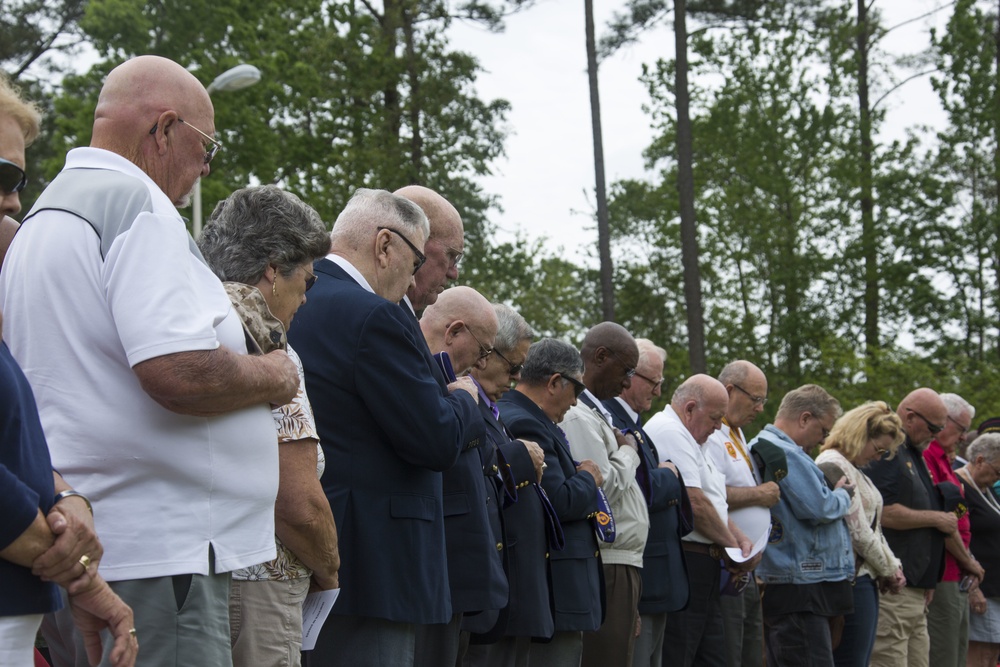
[[610, 355], [924, 415], [140, 114], [747, 387], [700, 403], [444, 248], [462, 323]]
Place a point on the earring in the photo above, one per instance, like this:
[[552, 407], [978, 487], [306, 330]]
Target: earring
[[274, 286]]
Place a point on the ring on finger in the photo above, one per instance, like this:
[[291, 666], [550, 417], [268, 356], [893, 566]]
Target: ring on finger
[[85, 561]]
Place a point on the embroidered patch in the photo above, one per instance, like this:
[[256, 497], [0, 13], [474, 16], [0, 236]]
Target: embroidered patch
[[811, 566], [730, 449], [777, 531], [603, 518]]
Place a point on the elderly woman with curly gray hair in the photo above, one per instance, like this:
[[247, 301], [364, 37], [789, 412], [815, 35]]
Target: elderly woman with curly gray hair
[[262, 241], [978, 476]]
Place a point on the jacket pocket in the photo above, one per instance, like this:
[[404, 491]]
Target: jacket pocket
[[412, 506], [456, 503]]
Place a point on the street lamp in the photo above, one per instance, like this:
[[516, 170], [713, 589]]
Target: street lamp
[[235, 78]]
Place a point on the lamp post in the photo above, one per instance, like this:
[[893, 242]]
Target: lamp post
[[235, 78]]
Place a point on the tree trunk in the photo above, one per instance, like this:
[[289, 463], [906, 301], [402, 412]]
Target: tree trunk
[[603, 231], [996, 150], [685, 189], [869, 241]]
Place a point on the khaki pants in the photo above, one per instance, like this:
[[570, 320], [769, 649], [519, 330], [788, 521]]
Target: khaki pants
[[901, 638], [265, 622]]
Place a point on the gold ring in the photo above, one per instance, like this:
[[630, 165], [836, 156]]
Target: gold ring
[[544, 465], [85, 561], [132, 632]]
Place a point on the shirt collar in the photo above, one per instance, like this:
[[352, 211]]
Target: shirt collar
[[350, 270], [633, 415], [600, 406]]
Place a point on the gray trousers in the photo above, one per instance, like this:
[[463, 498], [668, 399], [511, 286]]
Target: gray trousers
[[180, 621], [744, 627]]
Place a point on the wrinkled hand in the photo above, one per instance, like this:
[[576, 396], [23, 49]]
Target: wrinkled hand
[[73, 526], [977, 602], [316, 584], [770, 494], [626, 440], [465, 383], [897, 582], [591, 467], [537, 455], [100, 608], [671, 467], [976, 571], [946, 522], [845, 484], [284, 374]]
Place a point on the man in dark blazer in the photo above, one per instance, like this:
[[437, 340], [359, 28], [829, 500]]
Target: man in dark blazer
[[525, 523], [664, 573], [462, 324], [550, 383], [387, 428]]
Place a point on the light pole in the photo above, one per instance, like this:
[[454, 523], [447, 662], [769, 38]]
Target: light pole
[[236, 78]]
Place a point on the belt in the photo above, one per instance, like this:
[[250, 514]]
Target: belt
[[712, 550]]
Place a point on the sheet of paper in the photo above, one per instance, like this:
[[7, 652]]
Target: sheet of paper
[[755, 522], [314, 612]]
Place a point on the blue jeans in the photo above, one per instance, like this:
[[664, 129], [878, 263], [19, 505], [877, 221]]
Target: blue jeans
[[859, 628]]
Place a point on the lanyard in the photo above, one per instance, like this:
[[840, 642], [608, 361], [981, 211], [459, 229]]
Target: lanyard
[[734, 435]]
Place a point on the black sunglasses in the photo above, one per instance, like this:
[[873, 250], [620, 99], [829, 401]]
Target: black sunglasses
[[421, 257], [578, 386], [514, 368], [931, 426], [310, 280], [12, 177]]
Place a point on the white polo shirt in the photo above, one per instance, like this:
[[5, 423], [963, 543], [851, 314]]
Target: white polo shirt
[[674, 442], [78, 315], [728, 450]]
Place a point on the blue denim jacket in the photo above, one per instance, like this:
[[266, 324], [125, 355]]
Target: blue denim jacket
[[809, 542]]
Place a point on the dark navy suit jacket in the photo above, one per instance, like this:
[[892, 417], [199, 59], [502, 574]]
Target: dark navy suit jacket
[[576, 575], [387, 430], [475, 567], [664, 572], [529, 610]]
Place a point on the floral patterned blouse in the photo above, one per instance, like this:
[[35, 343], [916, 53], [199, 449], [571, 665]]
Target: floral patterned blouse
[[294, 421]]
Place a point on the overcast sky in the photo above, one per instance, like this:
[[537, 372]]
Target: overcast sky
[[539, 65]]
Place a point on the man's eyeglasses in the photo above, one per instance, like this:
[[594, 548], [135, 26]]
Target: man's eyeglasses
[[421, 257], [12, 178], [454, 255], [484, 351], [214, 144], [578, 386], [931, 426], [757, 400], [964, 430], [513, 369], [310, 279], [655, 383], [629, 370]]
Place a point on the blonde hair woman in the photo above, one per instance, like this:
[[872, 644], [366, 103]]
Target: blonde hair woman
[[862, 435]]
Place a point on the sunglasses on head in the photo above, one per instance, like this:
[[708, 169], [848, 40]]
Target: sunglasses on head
[[12, 177]]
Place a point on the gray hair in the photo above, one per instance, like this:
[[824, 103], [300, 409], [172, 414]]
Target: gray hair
[[548, 357], [735, 372], [956, 405], [512, 328], [987, 445], [368, 209], [648, 348], [262, 225], [810, 398]]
